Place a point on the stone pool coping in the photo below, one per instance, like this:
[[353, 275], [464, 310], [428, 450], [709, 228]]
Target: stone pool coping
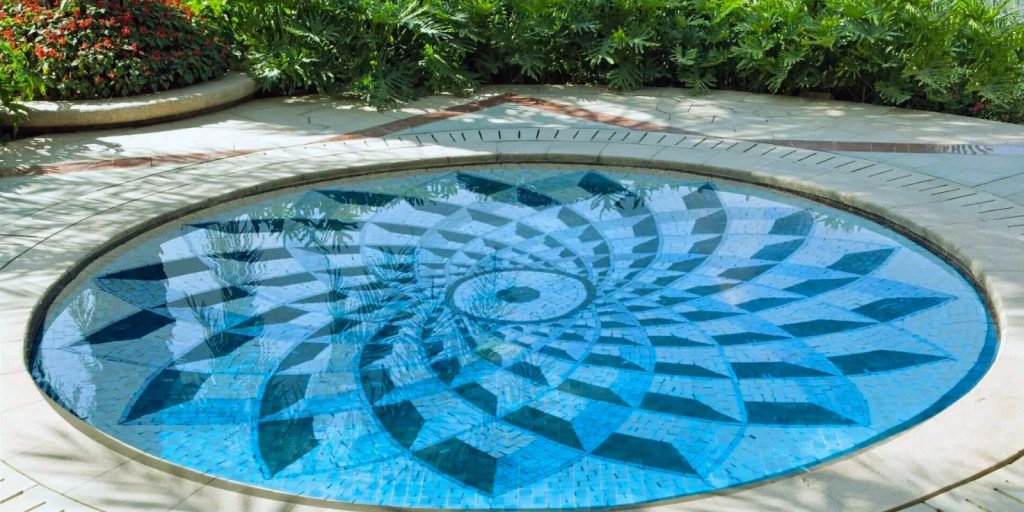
[[976, 229], [46, 116]]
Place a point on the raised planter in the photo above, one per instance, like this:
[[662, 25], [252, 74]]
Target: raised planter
[[134, 110]]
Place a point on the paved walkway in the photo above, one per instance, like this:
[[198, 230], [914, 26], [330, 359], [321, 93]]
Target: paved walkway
[[976, 165], [973, 153]]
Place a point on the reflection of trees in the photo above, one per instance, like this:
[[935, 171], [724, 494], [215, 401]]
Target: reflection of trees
[[632, 196], [836, 222], [491, 340], [612, 201], [392, 300], [336, 292], [234, 255], [439, 189], [83, 311], [211, 319], [318, 221], [390, 285], [483, 302], [80, 390]]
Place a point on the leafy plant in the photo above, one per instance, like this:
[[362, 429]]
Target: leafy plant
[[384, 52], [958, 56], [16, 83]]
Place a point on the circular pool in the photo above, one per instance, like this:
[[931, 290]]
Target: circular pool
[[513, 338]]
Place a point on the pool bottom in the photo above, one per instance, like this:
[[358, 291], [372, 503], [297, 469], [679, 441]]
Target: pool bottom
[[682, 365]]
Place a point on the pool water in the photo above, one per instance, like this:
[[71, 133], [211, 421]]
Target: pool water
[[513, 338]]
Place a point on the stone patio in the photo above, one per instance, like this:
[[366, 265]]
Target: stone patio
[[955, 182]]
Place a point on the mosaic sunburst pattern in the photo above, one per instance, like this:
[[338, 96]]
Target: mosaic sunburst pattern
[[514, 338]]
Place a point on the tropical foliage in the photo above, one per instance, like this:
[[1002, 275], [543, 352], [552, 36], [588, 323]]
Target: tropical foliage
[[16, 82], [958, 56], [961, 56]]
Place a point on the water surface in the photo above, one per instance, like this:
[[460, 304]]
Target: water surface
[[514, 338]]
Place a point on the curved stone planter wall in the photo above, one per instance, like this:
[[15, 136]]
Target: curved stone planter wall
[[149, 108], [980, 431]]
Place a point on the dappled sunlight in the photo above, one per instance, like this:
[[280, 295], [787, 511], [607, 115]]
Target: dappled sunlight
[[481, 255], [59, 219], [278, 122]]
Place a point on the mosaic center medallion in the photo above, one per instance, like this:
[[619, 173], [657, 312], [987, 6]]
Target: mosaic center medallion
[[520, 295], [513, 338]]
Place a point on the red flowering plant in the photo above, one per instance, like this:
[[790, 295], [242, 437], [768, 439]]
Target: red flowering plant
[[103, 48]]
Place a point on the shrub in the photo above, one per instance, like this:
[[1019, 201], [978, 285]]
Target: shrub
[[16, 83], [105, 48], [961, 56], [383, 51]]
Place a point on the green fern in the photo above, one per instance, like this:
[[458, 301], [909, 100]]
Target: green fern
[[893, 92], [965, 56], [624, 77]]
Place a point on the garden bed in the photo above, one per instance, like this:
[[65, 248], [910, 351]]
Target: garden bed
[[134, 110]]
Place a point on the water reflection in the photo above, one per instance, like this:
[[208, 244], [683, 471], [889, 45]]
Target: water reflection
[[464, 339]]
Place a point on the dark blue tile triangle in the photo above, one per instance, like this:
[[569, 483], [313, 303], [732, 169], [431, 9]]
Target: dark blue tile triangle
[[591, 391], [793, 413], [682, 406], [875, 361], [402, 420], [884, 310], [462, 462], [862, 262], [281, 392], [547, 425], [166, 389], [644, 452], [282, 442], [130, 327]]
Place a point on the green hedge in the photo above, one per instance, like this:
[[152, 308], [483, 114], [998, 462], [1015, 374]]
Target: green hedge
[[958, 56]]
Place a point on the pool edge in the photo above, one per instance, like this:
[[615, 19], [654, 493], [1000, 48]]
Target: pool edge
[[717, 166]]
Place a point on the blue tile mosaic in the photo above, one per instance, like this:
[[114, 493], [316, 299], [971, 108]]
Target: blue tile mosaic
[[512, 338]]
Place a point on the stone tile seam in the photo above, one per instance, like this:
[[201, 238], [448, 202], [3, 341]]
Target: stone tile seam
[[956, 485], [49, 490]]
